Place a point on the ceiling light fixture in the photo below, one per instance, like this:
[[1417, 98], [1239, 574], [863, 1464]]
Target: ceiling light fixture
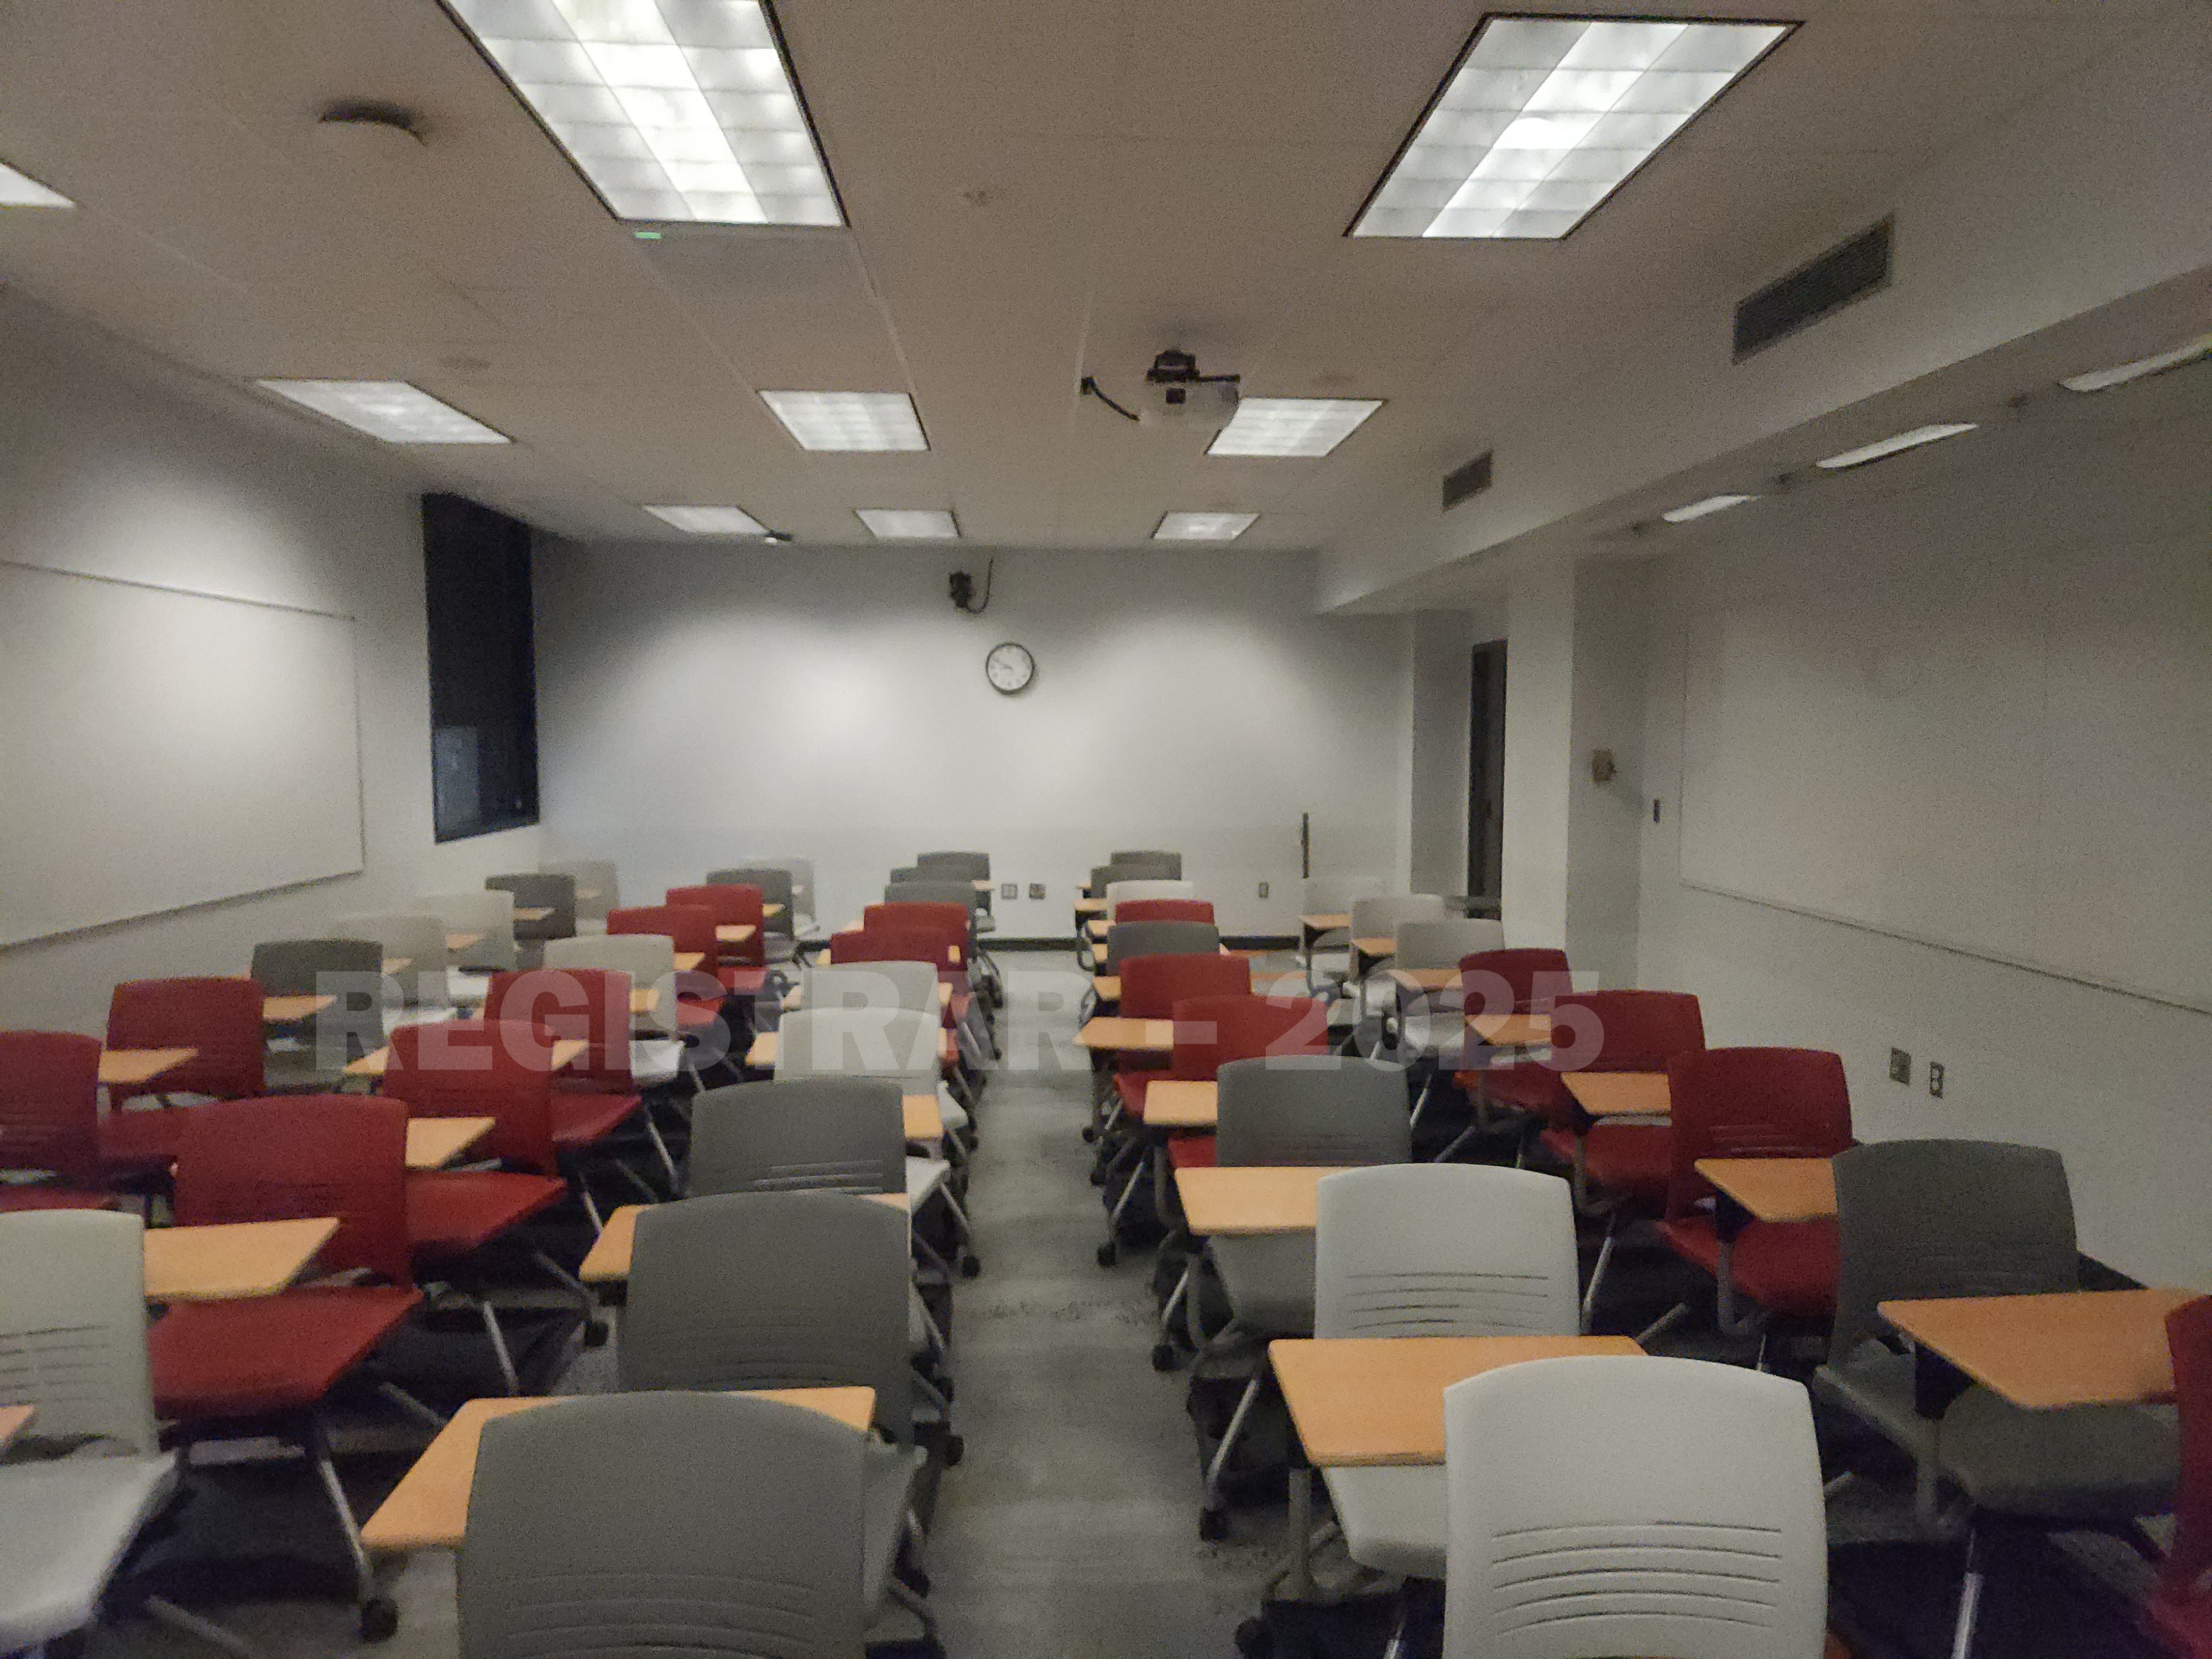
[[2104, 379], [391, 409], [21, 190], [1544, 118], [710, 520], [1706, 507], [1897, 445], [1291, 426], [682, 110], [1204, 526], [910, 524], [848, 420]]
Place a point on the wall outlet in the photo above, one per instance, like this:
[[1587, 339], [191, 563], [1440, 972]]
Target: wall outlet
[[1263, 889], [1935, 1079], [1901, 1065], [1036, 890], [1654, 809], [1010, 889]]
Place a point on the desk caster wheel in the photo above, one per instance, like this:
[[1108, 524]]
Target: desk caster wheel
[[380, 1618], [1213, 1525], [1165, 1356], [1108, 1253], [1255, 1640], [1098, 1177], [956, 1447], [595, 1333], [1090, 1135], [970, 1266]]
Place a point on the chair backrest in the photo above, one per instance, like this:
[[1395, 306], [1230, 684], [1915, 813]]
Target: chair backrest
[[632, 1524], [802, 882], [1164, 909], [1119, 893], [924, 890], [771, 1291], [799, 1134], [587, 1004], [221, 1018], [887, 943], [1212, 1030], [73, 1325], [775, 885], [2189, 1336], [738, 905], [1608, 1505], [649, 959], [1159, 939], [490, 913], [904, 872], [299, 1155], [540, 890], [1517, 982], [1152, 985], [1163, 865], [950, 916], [1381, 917], [350, 970], [1103, 876], [1443, 942], [688, 928], [1311, 1109], [480, 1068], [50, 1105], [969, 867], [909, 985], [1947, 1217], [597, 891], [1445, 1249], [1627, 1031], [1752, 1102], [887, 1043], [418, 938]]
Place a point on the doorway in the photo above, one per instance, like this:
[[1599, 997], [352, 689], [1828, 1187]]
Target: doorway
[[1486, 780]]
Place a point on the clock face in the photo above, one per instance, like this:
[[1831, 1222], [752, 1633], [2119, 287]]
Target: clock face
[[1010, 667]]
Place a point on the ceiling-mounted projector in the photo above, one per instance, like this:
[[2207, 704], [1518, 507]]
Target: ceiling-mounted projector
[[1176, 391]]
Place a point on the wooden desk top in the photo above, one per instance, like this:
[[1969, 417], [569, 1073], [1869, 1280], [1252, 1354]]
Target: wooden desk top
[[734, 932], [1107, 987], [1171, 1104], [1098, 930], [983, 884], [1090, 907], [121, 1065], [1376, 949], [1365, 1400], [2041, 1352], [14, 1420], [1619, 1094], [532, 912], [1327, 921], [1110, 1031], [924, 1117], [435, 1142], [1776, 1188], [644, 998], [762, 1055], [463, 941], [566, 1052], [281, 1011], [687, 960], [233, 1261], [429, 1507], [771, 909], [608, 1261], [1511, 1030], [1424, 982], [398, 964], [1250, 1199]]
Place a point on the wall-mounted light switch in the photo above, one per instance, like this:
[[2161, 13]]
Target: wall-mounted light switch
[[1901, 1065], [1010, 889], [1263, 889], [1036, 890]]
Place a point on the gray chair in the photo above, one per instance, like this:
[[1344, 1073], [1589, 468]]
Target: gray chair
[[1102, 876], [73, 1344], [417, 938], [1921, 1218], [632, 1524], [488, 913], [535, 890], [1442, 942], [1163, 865], [1159, 939], [310, 1055], [802, 887], [597, 890], [909, 985], [779, 931], [970, 868], [801, 1134]]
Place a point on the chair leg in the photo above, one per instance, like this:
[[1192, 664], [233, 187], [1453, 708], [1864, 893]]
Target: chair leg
[[1970, 1596], [164, 1610], [1218, 1464], [489, 1315], [660, 1149], [1395, 1647], [1597, 1272], [371, 1604]]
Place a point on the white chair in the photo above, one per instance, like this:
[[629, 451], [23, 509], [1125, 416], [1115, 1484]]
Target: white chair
[[1431, 1025], [73, 1344], [909, 985], [416, 936], [1609, 1504], [1326, 957], [597, 889], [488, 913], [649, 959], [1433, 1250], [1382, 918], [1118, 892]]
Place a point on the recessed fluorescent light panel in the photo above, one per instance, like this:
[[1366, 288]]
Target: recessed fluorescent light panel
[[710, 520], [1546, 117], [1897, 445], [391, 409], [910, 524], [848, 420], [21, 190], [683, 109], [2104, 379], [1705, 508], [1290, 426], [1204, 526]]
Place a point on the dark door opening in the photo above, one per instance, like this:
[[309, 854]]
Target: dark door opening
[[1486, 781]]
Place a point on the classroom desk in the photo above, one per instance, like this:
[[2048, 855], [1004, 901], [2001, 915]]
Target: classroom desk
[[687, 961], [771, 909], [429, 1507], [1364, 1401], [983, 884], [14, 1420], [734, 932], [1620, 1094], [1511, 1030], [463, 941], [532, 912], [760, 1057], [1375, 950], [608, 1261], [795, 999], [231, 1261], [643, 1000], [1771, 1188], [566, 1052], [1250, 1199], [1174, 1104], [120, 1066], [398, 964], [2041, 1352], [1327, 921], [435, 1142], [1098, 930], [284, 1011], [1109, 1033], [1090, 907]]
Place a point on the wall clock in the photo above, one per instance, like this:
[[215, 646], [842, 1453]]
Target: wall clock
[[1010, 668]]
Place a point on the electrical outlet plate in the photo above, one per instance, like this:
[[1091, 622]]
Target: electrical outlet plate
[[1263, 889], [1036, 890], [1901, 1065], [1010, 889], [1935, 1079]]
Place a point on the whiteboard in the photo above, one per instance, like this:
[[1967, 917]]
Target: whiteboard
[[2013, 762], [161, 749]]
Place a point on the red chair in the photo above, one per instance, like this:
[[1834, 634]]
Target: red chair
[[1150, 987], [950, 921], [1521, 981], [50, 1119], [690, 929], [1756, 1102], [1211, 1031], [220, 1018], [1634, 1031], [592, 1006], [238, 1365], [2180, 1608], [741, 966], [1163, 910]]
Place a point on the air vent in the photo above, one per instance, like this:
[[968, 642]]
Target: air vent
[[1837, 277], [1469, 480]]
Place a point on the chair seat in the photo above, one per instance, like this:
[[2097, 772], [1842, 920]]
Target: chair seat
[[581, 1119], [141, 1140], [67, 1523], [1191, 1151], [16, 1200], [887, 1474], [954, 1114], [1787, 1267], [2087, 1463], [1634, 1160], [466, 990], [268, 1353], [655, 1062], [1392, 1518], [453, 1212], [924, 1175]]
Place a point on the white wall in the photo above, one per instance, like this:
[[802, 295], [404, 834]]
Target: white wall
[[1539, 674], [703, 703], [2115, 1082], [1444, 647], [111, 465], [1604, 820]]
